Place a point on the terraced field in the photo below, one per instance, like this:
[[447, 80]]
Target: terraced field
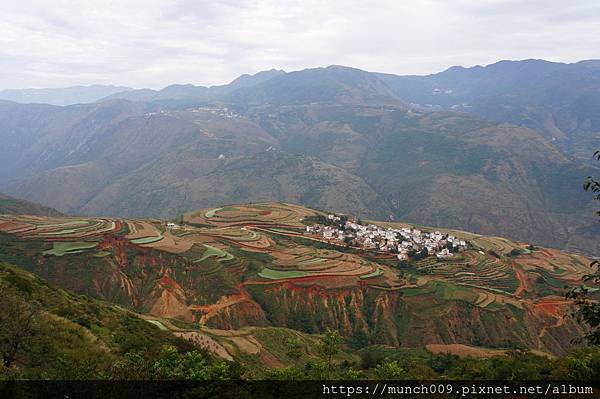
[[275, 230], [66, 248], [227, 265], [473, 269], [45, 228]]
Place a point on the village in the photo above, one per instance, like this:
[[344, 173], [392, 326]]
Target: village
[[405, 242]]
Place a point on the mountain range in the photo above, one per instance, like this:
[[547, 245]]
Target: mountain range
[[500, 150]]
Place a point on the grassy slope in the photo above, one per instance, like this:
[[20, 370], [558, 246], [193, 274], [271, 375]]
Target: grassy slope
[[77, 336], [15, 206]]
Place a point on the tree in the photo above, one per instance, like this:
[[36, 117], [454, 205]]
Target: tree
[[329, 346], [193, 365], [389, 370], [290, 373], [295, 347], [588, 309], [17, 323], [132, 366]]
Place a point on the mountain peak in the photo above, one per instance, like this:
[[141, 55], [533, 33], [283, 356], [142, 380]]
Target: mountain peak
[[247, 80]]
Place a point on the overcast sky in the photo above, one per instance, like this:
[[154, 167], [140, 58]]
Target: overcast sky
[[154, 43]]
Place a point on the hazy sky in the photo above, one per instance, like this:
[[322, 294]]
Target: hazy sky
[[153, 43]]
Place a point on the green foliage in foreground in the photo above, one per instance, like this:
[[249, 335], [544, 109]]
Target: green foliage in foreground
[[70, 337], [60, 335], [582, 364]]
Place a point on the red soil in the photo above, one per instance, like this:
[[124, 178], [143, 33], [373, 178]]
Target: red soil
[[551, 307], [169, 283]]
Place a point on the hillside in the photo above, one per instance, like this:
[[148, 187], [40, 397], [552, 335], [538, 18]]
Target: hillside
[[256, 265], [77, 337], [15, 206], [73, 336], [559, 100]]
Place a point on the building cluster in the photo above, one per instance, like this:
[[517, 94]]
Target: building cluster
[[223, 112], [406, 242]]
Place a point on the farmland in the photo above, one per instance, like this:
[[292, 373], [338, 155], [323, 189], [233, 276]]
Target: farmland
[[235, 266]]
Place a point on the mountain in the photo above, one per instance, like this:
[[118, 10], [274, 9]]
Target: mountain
[[334, 84], [447, 169], [256, 265], [334, 138], [14, 206], [267, 176], [192, 92], [61, 96], [559, 100]]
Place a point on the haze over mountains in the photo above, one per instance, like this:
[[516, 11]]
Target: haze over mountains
[[501, 149], [15, 206], [61, 96]]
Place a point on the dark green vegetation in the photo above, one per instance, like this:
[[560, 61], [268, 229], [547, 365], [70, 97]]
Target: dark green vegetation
[[333, 138], [14, 206], [379, 362], [50, 333], [586, 295]]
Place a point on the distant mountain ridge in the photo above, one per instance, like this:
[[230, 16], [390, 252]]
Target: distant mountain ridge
[[61, 96], [558, 99], [190, 91]]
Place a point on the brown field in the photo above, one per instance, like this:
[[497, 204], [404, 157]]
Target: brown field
[[140, 229], [260, 214], [171, 243], [464, 350]]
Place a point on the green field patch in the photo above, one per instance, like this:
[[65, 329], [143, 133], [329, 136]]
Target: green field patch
[[280, 274], [428, 288], [66, 248], [61, 232], [211, 213], [212, 251], [147, 240], [101, 254], [453, 292], [378, 272]]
